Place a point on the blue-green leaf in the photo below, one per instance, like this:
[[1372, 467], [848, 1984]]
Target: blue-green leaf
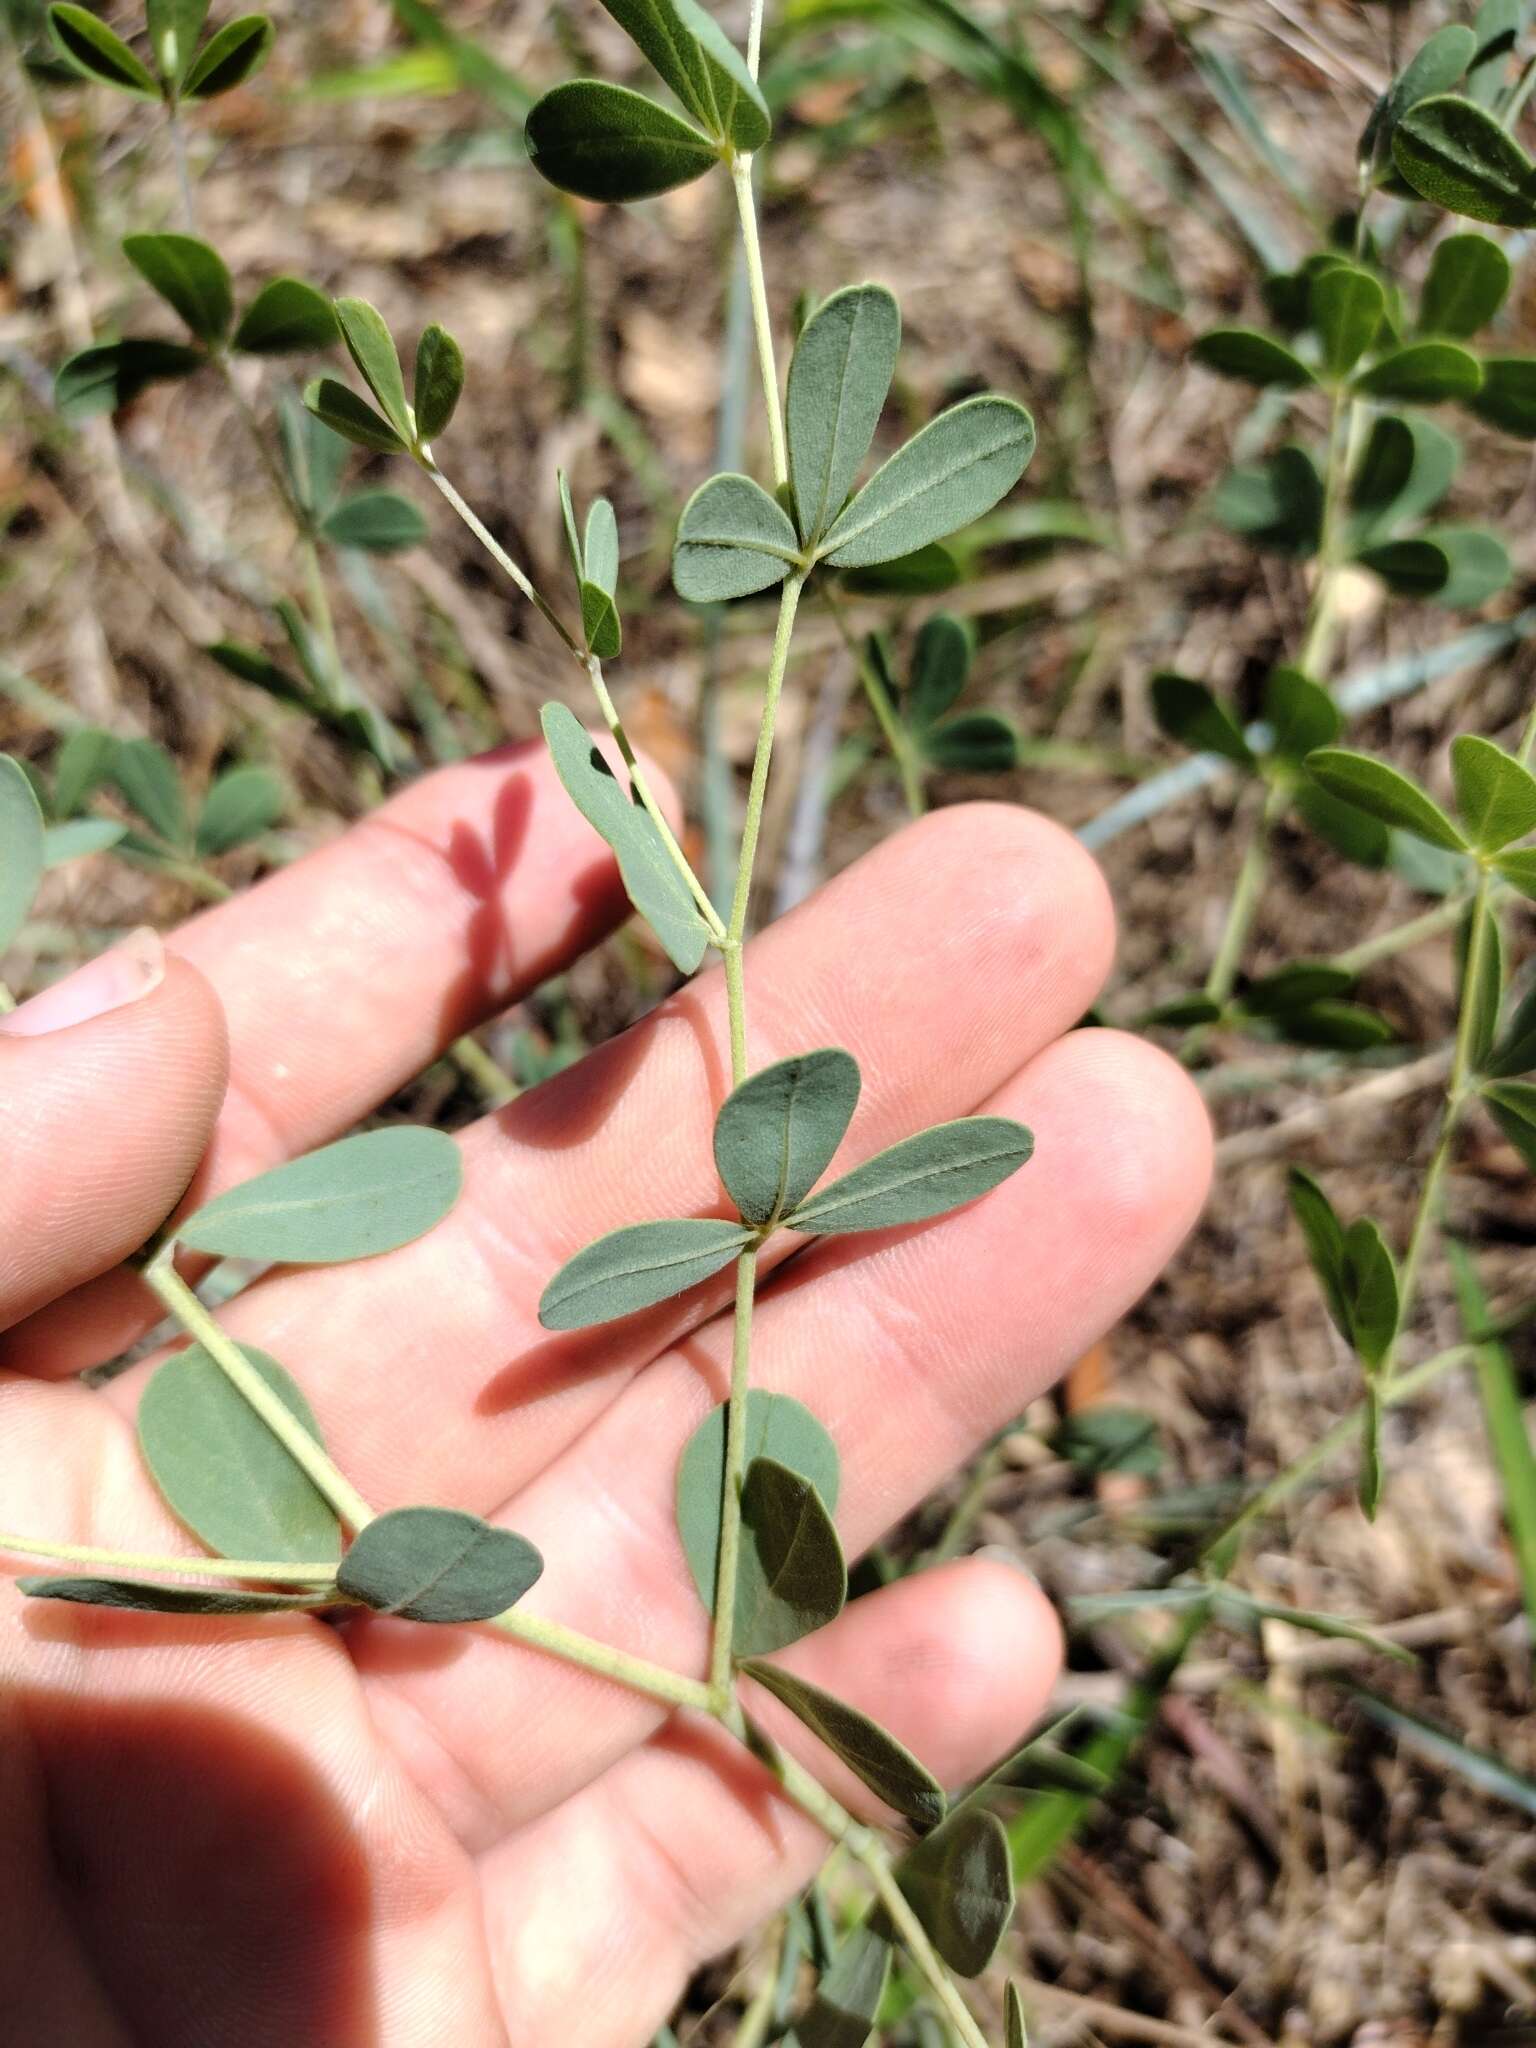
[[949, 474], [638, 1266], [838, 379], [732, 540]]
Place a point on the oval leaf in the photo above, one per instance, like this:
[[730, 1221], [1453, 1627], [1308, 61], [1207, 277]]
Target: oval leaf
[[777, 1428], [1347, 306], [1300, 714], [651, 878], [636, 1267], [339, 408], [191, 278], [439, 380], [941, 662], [1455, 154], [174, 27], [380, 522], [139, 1597], [874, 1755], [976, 743], [1467, 283], [1514, 1108], [146, 775], [705, 70], [1413, 568], [228, 58], [1250, 358], [599, 556], [351, 1200], [103, 378], [1495, 795], [607, 143], [372, 348], [223, 1472], [848, 1996], [1372, 786], [82, 765], [436, 1564], [1477, 564], [1423, 373], [21, 848], [776, 1134], [1515, 1052], [791, 1577], [287, 318], [938, 1170], [956, 469], [732, 540], [838, 379], [89, 47], [1191, 713], [240, 805], [1507, 396], [959, 1882]]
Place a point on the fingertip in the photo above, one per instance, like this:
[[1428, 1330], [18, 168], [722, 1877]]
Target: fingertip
[[1157, 1174]]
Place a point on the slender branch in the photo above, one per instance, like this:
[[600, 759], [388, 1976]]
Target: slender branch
[[896, 737], [758, 788], [275, 1570], [1528, 737], [179, 157], [762, 320], [498, 553], [1244, 904], [1428, 925], [735, 1468], [755, 38]]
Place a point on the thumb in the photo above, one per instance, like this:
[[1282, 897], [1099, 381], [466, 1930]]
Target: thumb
[[110, 1082]]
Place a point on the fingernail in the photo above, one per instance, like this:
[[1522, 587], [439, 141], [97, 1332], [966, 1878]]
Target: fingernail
[[133, 968]]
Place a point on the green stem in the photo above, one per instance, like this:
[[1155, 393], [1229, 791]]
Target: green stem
[[320, 605], [271, 1569], [1528, 737], [762, 321], [896, 735], [653, 809], [498, 553], [735, 1467], [758, 788], [1443, 917], [1243, 907], [183, 1304], [258, 440]]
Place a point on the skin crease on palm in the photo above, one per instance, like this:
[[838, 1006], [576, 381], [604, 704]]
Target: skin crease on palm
[[275, 1831]]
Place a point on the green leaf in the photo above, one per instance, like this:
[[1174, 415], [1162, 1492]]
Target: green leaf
[[1407, 468], [250, 665], [651, 878], [975, 743], [1495, 28], [1350, 832], [146, 775], [1347, 308], [1467, 283], [241, 805], [791, 1577], [636, 1267], [874, 1755], [438, 383], [78, 837], [1507, 397], [80, 767], [1495, 795], [1484, 998], [600, 547], [1346, 1027], [778, 1428], [959, 1882], [1477, 564], [363, 1195], [607, 143], [110, 375], [1300, 714], [381, 522], [1372, 786], [847, 2000], [924, 573], [222, 1471], [1249, 357], [1488, 1774], [228, 58], [339, 408], [941, 661], [1190, 713], [838, 379], [21, 848], [436, 1564], [1324, 1236], [705, 70], [1018, 2036], [1423, 373], [372, 348], [286, 318], [1296, 986], [174, 27], [776, 1134], [1110, 1437], [1519, 870], [138, 1597], [1371, 1290], [191, 277], [1277, 503], [89, 47], [1514, 1108], [938, 1170], [313, 456], [1515, 1052], [600, 623], [1413, 568], [950, 473], [1458, 156], [732, 540], [1181, 1012]]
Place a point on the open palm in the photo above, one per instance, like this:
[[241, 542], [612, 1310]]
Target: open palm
[[279, 1831]]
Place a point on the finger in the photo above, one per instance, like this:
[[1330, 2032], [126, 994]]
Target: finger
[[910, 1348], [941, 961], [347, 973], [111, 1079], [687, 1844]]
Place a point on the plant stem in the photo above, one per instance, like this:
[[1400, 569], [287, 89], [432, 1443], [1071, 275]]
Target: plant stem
[[896, 736], [762, 322], [653, 809], [1243, 907], [1528, 737], [258, 441], [735, 1467], [1443, 917], [758, 787], [179, 157], [272, 1569], [498, 553], [539, 1634]]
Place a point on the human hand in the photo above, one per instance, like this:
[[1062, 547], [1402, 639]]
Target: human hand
[[380, 1836]]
